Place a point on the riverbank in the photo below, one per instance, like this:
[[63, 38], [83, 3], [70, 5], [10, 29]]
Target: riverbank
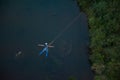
[[104, 29]]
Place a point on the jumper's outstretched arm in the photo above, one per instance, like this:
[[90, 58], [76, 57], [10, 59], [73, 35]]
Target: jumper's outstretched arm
[[50, 46], [41, 45]]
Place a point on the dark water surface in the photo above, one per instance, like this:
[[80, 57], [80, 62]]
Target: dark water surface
[[25, 23]]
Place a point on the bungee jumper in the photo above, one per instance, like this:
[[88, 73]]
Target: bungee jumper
[[45, 49]]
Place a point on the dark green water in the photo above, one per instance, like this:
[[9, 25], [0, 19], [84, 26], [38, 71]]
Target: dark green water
[[25, 23]]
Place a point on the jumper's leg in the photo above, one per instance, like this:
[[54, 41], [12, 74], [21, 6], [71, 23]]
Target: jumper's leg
[[43, 51]]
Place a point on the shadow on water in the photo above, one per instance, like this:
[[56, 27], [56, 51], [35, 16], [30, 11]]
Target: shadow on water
[[24, 24]]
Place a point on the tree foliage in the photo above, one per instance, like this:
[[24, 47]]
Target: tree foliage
[[104, 29]]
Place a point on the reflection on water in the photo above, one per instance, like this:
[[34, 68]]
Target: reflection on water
[[24, 24]]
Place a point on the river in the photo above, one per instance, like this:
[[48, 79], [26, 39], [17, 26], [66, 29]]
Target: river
[[26, 23]]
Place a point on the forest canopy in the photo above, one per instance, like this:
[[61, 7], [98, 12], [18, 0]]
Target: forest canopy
[[104, 29]]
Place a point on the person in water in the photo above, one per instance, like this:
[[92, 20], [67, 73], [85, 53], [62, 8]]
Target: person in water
[[45, 49]]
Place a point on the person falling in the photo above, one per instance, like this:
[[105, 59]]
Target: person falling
[[45, 49]]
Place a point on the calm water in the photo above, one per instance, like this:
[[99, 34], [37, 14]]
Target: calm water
[[25, 23]]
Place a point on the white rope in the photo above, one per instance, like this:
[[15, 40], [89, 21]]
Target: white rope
[[68, 26]]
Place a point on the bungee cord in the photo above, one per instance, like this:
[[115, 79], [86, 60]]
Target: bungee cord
[[67, 27]]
